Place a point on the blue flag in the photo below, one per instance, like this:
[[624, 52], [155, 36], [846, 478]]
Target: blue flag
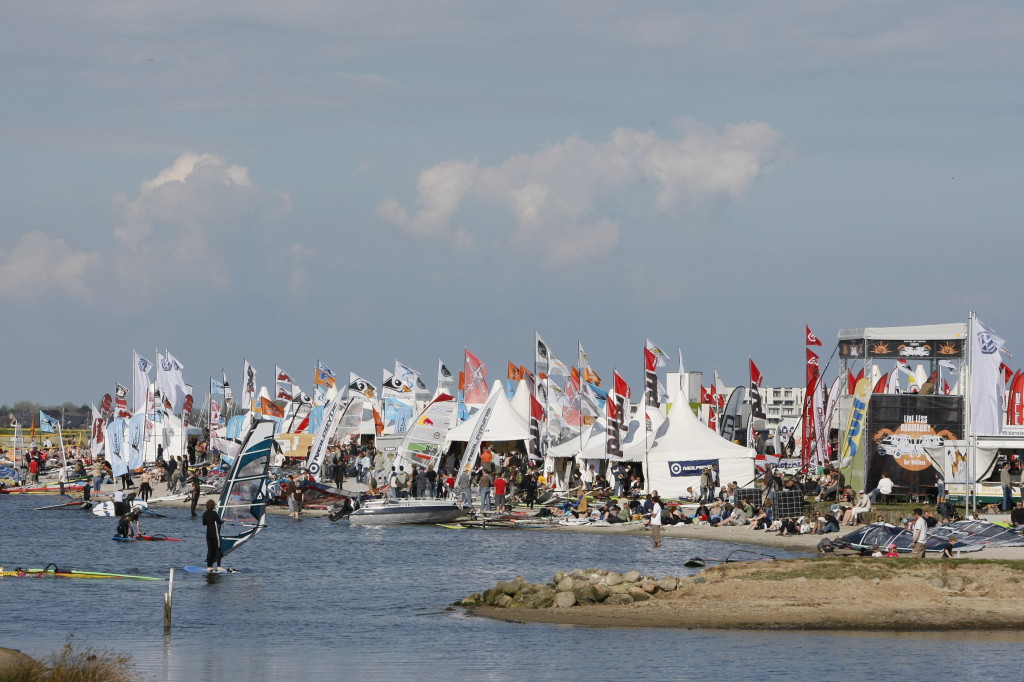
[[47, 424]]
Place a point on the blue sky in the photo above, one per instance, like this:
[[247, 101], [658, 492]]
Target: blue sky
[[288, 182]]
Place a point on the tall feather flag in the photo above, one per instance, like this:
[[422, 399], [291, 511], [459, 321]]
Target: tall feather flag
[[535, 444], [476, 380], [613, 434], [808, 424], [651, 377], [541, 356], [248, 383], [756, 406]]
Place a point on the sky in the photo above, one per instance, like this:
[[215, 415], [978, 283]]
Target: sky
[[357, 183]]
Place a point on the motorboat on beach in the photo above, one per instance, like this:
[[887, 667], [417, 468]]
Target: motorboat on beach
[[391, 511]]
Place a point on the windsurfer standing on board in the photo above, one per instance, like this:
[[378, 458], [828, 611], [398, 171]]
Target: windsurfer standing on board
[[213, 522]]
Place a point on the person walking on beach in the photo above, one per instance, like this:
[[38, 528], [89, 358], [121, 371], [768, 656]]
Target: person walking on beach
[[655, 519], [145, 489], [295, 496], [212, 521], [194, 480], [920, 535], [485, 491]]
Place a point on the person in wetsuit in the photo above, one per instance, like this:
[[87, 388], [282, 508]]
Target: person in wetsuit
[[213, 522]]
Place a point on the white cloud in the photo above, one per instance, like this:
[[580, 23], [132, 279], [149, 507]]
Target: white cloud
[[177, 233], [299, 282], [556, 194], [40, 266]]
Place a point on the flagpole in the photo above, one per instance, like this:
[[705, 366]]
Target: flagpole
[[972, 440]]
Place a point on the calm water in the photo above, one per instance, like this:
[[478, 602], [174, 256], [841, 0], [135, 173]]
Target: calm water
[[326, 601]]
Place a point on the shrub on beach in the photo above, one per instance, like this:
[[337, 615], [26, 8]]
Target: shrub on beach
[[71, 664]]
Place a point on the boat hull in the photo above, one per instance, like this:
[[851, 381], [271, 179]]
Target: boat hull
[[395, 512]]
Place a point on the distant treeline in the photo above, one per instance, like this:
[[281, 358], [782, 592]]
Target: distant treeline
[[26, 412]]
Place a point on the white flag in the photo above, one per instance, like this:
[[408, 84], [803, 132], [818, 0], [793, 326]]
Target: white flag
[[986, 380], [141, 383]]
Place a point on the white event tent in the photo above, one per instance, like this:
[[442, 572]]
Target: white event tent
[[687, 446]]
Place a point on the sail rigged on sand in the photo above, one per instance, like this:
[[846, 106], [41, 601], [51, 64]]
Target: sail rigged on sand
[[243, 501], [424, 441]]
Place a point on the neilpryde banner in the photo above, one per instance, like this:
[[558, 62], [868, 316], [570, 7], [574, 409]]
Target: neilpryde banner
[[690, 467]]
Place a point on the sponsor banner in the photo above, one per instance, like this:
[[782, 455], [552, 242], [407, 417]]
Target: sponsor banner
[[904, 431], [897, 348], [690, 467]]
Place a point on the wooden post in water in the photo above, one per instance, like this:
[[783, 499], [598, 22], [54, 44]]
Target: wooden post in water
[[168, 598]]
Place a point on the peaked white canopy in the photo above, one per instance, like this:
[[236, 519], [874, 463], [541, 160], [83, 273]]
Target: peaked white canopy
[[504, 425], [678, 456], [521, 401]]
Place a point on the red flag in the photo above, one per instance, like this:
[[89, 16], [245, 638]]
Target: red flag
[[755, 374], [812, 340], [712, 420], [880, 386], [476, 380], [1007, 372], [851, 383], [284, 393], [945, 387], [812, 367], [621, 387], [284, 376], [705, 396], [612, 409], [536, 409]]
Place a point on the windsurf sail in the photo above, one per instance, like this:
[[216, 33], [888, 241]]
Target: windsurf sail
[[243, 501], [333, 417], [424, 441]]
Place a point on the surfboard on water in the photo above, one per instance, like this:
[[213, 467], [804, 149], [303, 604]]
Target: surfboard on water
[[453, 526], [216, 571], [146, 538], [54, 572], [73, 504]]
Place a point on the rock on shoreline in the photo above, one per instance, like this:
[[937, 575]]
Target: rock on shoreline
[[575, 588], [850, 593]]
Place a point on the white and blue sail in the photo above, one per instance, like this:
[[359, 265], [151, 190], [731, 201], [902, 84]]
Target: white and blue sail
[[243, 501]]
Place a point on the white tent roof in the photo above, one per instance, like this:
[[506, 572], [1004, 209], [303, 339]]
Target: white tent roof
[[593, 441], [504, 425], [521, 401], [635, 444], [676, 459]]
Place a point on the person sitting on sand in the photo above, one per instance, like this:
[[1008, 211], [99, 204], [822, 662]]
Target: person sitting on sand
[[826, 524], [737, 518], [789, 527]]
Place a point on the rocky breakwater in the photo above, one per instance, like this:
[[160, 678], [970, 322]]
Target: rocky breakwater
[[576, 588]]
